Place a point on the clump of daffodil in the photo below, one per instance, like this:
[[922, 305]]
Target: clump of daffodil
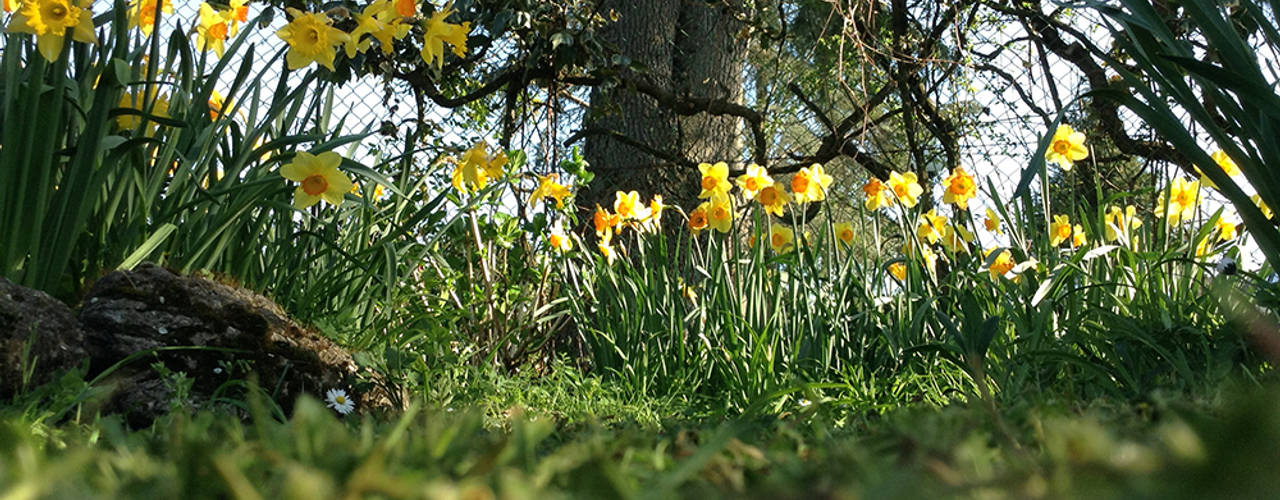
[[548, 187], [437, 32], [714, 180], [720, 214], [1066, 147], [898, 270], [318, 177], [992, 222], [906, 188], [782, 239], [773, 198], [1060, 230], [311, 38], [1226, 226], [214, 29], [1001, 264], [1178, 202], [142, 14], [756, 178], [559, 240], [931, 226], [960, 188], [844, 234], [878, 195], [1121, 223], [810, 184], [1224, 162], [49, 21], [698, 218]]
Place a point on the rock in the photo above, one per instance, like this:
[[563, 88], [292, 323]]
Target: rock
[[211, 333], [57, 341]]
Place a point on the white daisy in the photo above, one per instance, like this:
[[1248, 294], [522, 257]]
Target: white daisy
[[338, 400]]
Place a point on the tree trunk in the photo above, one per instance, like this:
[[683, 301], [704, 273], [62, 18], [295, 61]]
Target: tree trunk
[[688, 48]]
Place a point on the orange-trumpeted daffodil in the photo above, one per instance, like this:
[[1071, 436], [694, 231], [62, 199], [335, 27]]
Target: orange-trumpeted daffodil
[[720, 214], [239, 12], [773, 198], [406, 8], [604, 221], [878, 195], [438, 32], [898, 270], [992, 222], [1078, 238], [810, 184], [559, 240], [214, 29], [1178, 202], [627, 205], [714, 180], [142, 14], [960, 188], [756, 178], [782, 239], [318, 177], [698, 218], [844, 234], [548, 187], [930, 226], [1001, 265], [311, 38], [1060, 230], [1066, 147], [49, 21], [906, 188]]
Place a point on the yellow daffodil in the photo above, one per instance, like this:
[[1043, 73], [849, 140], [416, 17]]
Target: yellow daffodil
[[1121, 222], [992, 222], [438, 32], [782, 239], [810, 184], [491, 164], [1078, 238], [318, 177], [311, 38], [214, 29], [955, 238], [1066, 147], [1060, 230], [1204, 247], [898, 270], [604, 221], [653, 219], [698, 218], [931, 226], [239, 12], [1224, 162], [548, 187], [142, 14], [1226, 226], [757, 178], [1179, 201], [49, 21], [715, 180], [606, 248], [1001, 265], [960, 188], [391, 27], [878, 195], [367, 23], [906, 188], [720, 214], [559, 240], [216, 103], [773, 199], [844, 234], [134, 100], [627, 205], [468, 176], [1262, 206]]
